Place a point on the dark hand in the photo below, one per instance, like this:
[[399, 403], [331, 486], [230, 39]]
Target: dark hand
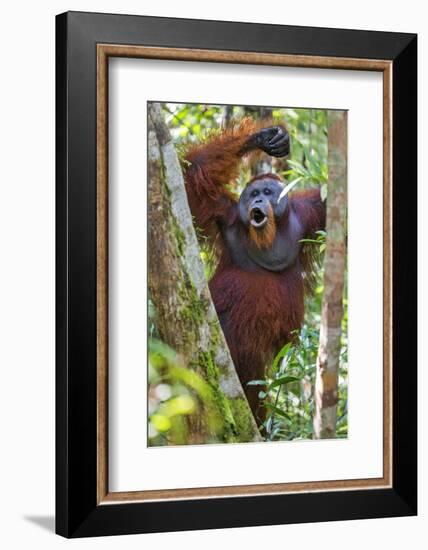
[[274, 141]]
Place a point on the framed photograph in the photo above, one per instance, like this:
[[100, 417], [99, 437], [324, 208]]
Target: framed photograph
[[236, 274]]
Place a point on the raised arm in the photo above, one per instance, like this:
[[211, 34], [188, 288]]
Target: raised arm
[[310, 209], [214, 164]]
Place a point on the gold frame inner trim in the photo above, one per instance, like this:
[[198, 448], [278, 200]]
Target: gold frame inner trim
[[104, 51]]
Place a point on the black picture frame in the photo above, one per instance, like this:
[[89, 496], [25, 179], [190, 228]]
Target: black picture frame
[[77, 511]]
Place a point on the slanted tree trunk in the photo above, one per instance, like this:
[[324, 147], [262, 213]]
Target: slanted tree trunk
[[326, 383], [186, 317]]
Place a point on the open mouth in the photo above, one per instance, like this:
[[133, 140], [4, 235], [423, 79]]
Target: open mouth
[[257, 218]]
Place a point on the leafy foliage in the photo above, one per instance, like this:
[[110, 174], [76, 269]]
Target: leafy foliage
[[176, 394], [308, 134]]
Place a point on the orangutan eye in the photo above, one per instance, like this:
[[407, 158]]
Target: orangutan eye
[[254, 193], [267, 191]]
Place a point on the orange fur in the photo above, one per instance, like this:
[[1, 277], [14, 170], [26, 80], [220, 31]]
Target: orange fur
[[264, 237], [212, 165]]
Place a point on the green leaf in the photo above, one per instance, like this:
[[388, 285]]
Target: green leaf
[[277, 411], [282, 380], [257, 383], [298, 168], [282, 353], [309, 241]]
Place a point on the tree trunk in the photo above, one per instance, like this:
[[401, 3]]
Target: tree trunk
[[261, 163], [326, 383], [186, 317], [228, 114]]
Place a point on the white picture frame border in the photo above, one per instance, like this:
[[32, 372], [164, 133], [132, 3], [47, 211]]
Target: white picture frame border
[[129, 464]]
